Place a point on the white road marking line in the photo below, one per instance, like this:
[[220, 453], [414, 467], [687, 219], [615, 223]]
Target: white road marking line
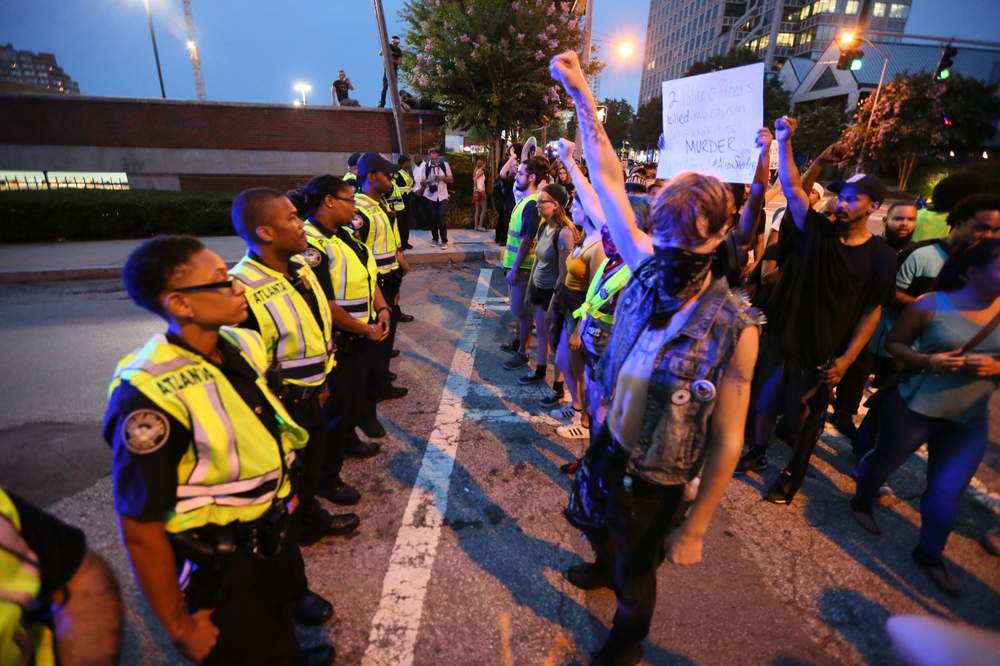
[[396, 623], [510, 416]]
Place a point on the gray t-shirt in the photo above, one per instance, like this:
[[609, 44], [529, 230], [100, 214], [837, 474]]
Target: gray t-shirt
[[546, 257]]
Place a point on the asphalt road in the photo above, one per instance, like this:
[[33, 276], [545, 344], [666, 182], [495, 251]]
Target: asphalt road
[[460, 556]]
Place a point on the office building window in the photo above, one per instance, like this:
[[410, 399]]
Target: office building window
[[897, 10], [786, 39], [879, 9]]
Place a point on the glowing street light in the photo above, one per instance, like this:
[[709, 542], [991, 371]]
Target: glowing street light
[[192, 46], [847, 38], [625, 49], [302, 89]]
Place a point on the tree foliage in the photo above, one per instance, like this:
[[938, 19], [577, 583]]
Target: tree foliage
[[485, 62], [619, 121], [819, 126], [918, 116], [648, 124]]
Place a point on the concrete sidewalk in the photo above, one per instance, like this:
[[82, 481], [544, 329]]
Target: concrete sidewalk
[[96, 260]]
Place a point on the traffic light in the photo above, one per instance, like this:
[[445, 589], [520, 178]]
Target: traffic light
[[851, 59], [943, 70]]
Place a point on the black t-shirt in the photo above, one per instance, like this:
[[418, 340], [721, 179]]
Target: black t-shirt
[[144, 473], [825, 288], [397, 55], [529, 220], [341, 87], [60, 548]]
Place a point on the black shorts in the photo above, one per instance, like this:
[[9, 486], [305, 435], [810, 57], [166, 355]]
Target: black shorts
[[538, 296]]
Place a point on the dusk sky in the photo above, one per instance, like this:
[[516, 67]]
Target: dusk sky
[[254, 50]]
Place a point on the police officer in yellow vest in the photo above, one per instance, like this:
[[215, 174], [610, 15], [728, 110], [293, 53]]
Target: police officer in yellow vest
[[49, 579], [401, 199], [202, 452], [347, 274], [352, 169], [289, 310], [518, 257], [374, 227]]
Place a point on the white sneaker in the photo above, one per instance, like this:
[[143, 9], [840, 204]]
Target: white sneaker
[[444, 246], [565, 413], [573, 431]]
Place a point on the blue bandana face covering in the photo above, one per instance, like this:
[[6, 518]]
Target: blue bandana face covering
[[680, 274]]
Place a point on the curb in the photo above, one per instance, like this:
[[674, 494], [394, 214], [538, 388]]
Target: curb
[[112, 272]]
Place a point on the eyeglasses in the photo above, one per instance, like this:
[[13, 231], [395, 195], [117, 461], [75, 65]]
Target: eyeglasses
[[347, 199], [546, 201], [210, 286]]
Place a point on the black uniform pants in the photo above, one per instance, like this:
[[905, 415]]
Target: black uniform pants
[[252, 606], [359, 360], [403, 221], [639, 517], [389, 284], [322, 458]]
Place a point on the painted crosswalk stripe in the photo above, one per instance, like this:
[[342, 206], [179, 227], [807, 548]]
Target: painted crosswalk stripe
[[396, 623]]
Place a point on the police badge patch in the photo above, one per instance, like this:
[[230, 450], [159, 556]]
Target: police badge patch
[[312, 256], [145, 431]]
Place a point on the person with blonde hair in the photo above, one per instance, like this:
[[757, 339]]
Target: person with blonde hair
[[676, 373]]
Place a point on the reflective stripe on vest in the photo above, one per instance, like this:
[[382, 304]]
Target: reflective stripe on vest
[[232, 469], [381, 240], [302, 346], [599, 294], [350, 177], [20, 584], [353, 282], [514, 238], [397, 200]]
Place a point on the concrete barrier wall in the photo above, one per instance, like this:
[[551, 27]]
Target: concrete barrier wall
[[196, 146]]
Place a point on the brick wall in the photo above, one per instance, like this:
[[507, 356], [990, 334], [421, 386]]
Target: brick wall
[[133, 123]]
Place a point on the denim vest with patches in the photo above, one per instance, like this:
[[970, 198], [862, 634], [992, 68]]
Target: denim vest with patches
[[683, 389]]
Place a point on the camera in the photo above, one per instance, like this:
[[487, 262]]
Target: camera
[[432, 188]]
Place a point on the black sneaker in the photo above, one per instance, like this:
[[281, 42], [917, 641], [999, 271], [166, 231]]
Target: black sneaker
[[864, 516], [844, 423], [511, 346], [553, 399], [933, 566], [587, 576], [778, 493], [518, 360], [531, 378], [754, 460]]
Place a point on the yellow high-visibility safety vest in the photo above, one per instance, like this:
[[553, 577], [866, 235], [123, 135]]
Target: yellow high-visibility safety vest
[[383, 235], [232, 469], [20, 583], [514, 237], [302, 346], [397, 199], [599, 294], [353, 282], [351, 177]]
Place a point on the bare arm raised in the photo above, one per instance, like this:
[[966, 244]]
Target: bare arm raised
[[788, 173], [584, 191], [606, 172]]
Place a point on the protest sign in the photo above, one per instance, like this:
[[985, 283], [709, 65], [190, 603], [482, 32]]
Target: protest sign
[[710, 122]]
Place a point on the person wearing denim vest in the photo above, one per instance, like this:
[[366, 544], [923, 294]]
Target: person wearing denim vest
[[678, 369]]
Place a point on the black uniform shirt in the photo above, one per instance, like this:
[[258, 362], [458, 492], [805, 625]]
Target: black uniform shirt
[[148, 443]]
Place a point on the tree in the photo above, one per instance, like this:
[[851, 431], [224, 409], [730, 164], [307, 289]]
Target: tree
[[486, 62], [618, 123], [735, 58], [648, 124], [907, 123], [970, 111], [819, 126]]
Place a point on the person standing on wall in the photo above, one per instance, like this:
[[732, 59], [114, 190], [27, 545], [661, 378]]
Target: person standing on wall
[[397, 57]]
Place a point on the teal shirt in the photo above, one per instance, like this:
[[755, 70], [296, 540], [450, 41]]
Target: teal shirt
[[961, 396]]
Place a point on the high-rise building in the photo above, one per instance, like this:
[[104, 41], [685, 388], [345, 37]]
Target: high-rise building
[[34, 70], [683, 32]]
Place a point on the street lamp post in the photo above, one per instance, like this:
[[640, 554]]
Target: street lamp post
[[156, 51], [302, 89], [871, 112]]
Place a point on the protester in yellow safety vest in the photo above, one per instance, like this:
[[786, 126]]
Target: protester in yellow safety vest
[[519, 257], [401, 200], [352, 169], [289, 310], [374, 227], [202, 455], [59, 602], [347, 274]]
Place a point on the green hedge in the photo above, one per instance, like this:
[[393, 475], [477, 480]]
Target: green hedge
[[926, 176], [46, 216]]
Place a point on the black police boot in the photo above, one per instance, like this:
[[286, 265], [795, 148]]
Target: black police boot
[[320, 655], [391, 392], [394, 353], [587, 576], [340, 492], [392, 376], [312, 610], [362, 449], [372, 428], [617, 653], [404, 318]]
